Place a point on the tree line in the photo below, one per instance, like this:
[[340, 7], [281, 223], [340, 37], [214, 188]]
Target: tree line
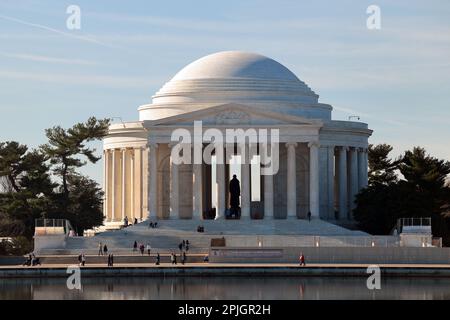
[[45, 182], [414, 184]]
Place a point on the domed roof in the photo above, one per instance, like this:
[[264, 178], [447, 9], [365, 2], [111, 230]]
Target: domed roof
[[235, 64], [234, 77]]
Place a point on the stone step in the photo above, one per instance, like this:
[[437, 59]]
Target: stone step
[[68, 259]]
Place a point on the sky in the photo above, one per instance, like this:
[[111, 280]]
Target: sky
[[396, 79]]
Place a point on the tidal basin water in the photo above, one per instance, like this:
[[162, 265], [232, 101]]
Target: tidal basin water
[[216, 288]]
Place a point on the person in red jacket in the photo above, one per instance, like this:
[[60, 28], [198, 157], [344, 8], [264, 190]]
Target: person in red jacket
[[302, 259]]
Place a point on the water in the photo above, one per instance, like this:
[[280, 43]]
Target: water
[[309, 288]]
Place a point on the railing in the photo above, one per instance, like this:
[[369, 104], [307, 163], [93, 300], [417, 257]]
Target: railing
[[317, 241], [413, 222], [53, 226]]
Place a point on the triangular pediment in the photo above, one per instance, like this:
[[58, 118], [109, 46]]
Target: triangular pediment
[[233, 114]]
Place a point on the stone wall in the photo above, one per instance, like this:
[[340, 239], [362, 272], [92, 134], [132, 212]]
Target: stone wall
[[356, 255]]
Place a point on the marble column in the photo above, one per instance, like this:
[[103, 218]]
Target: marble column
[[314, 179], [197, 191], [353, 180], [330, 182], [268, 193], [291, 180], [245, 183], [141, 184], [113, 186], [124, 182], [220, 184], [361, 159], [364, 168], [342, 182], [106, 183], [152, 181], [174, 188], [132, 185]]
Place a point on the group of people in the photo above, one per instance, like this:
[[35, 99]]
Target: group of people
[[152, 224], [184, 245], [32, 260], [126, 222], [173, 258], [142, 248], [82, 259], [102, 249], [110, 260]]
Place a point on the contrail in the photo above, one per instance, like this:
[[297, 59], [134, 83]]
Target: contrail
[[67, 34]]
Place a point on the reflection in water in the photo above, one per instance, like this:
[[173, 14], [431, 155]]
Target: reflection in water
[[231, 288]]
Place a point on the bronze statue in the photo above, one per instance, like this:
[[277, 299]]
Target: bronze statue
[[235, 192]]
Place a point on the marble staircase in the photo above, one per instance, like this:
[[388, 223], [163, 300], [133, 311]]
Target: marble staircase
[[247, 233]]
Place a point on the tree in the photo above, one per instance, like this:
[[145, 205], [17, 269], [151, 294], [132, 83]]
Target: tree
[[12, 156], [422, 192], [66, 145], [86, 201], [425, 172], [381, 167], [26, 188]]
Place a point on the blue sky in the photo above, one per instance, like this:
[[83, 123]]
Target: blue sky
[[396, 79]]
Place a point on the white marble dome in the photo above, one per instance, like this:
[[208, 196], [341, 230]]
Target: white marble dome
[[235, 65], [235, 77]]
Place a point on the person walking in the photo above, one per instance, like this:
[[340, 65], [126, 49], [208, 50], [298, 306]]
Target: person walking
[[302, 259], [158, 259], [309, 216], [105, 249], [174, 258], [180, 246], [110, 260], [142, 249], [149, 248], [135, 246], [135, 221], [183, 257], [83, 260], [100, 249]]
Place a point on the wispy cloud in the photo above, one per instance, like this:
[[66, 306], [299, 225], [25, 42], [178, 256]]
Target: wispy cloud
[[65, 34], [83, 79], [40, 58]]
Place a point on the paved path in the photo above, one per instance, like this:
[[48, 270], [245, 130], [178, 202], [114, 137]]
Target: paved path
[[238, 265]]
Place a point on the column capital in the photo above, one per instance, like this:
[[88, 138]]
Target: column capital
[[364, 150], [291, 144], [313, 144], [343, 148], [152, 145]]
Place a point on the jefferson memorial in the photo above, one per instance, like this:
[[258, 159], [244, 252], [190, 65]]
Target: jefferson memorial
[[322, 162]]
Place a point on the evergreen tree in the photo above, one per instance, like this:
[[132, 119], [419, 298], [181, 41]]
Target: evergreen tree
[[381, 167], [65, 146], [422, 192], [26, 188]]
